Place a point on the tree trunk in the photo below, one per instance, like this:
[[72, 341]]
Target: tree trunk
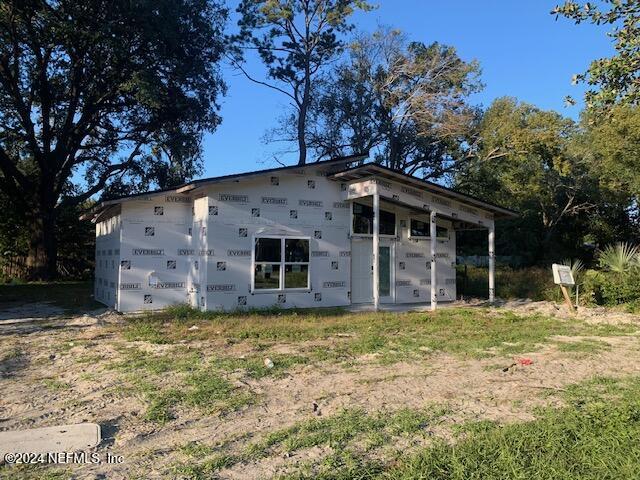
[[302, 143], [43, 247]]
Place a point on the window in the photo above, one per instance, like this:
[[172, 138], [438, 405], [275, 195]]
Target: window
[[281, 263], [421, 229], [363, 220]]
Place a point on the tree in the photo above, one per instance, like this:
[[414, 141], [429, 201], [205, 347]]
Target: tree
[[405, 100], [617, 79], [526, 158], [118, 92], [611, 144], [295, 40]]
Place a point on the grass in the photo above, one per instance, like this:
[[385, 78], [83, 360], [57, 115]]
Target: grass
[[55, 384], [595, 437], [473, 333], [71, 297], [352, 432], [316, 336], [180, 378], [584, 347]]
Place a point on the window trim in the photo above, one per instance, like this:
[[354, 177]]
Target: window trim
[[370, 235], [281, 288]]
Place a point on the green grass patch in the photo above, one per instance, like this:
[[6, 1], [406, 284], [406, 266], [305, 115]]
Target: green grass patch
[[55, 384], [33, 472], [586, 346], [596, 437], [466, 332]]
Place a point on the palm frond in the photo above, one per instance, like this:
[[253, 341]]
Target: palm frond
[[620, 258]]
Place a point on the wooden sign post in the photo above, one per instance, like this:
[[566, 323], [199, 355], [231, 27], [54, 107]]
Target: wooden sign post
[[562, 276]]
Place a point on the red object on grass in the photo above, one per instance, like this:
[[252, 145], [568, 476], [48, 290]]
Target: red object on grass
[[525, 361]]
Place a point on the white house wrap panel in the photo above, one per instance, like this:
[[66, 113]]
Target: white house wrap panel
[[282, 237]]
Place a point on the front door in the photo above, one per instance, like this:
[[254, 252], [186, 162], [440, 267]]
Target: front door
[[362, 271]]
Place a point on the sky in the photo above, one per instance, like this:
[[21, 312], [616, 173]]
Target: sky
[[522, 50]]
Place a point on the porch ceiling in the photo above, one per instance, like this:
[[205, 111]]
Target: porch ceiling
[[457, 223], [375, 170]]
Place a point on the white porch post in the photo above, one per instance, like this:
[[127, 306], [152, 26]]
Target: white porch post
[[433, 235], [492, 263], [376, 250]]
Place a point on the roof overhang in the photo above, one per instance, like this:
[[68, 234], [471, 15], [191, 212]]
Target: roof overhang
[[376, 170]]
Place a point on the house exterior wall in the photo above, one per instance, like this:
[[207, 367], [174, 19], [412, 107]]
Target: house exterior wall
[[154, 252], [302, 203], [107, 260], [197, 248]]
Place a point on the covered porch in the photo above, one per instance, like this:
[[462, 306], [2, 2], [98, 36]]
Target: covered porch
[[375, 184]]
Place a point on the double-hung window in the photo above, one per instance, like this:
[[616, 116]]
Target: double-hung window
[[281, 263]]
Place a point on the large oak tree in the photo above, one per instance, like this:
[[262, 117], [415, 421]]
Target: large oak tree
[[99, 94]]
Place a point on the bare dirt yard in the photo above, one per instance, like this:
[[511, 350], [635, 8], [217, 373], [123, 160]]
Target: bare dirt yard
[[329, 394]]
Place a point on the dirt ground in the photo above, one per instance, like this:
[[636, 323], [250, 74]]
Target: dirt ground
[[52, 371]]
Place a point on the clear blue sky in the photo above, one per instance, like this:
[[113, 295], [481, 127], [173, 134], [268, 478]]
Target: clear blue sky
[[523, 52]]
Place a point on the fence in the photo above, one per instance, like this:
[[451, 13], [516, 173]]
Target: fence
[[16, 267]]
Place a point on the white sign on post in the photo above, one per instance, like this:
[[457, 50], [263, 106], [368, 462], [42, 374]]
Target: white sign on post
[[562, 275]]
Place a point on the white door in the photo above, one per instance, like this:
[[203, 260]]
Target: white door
[[362, 271]]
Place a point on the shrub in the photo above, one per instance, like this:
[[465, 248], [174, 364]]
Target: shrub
[[535, 283], [611, 287]]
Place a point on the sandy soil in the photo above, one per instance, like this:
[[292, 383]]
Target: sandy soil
[[472, 389]]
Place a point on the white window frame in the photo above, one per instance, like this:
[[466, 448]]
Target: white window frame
[[281, 288], [370, 235]]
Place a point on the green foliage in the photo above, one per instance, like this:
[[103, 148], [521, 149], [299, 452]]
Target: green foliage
[[534, 283], [119, 91], [525, 158], [620, 258], [615, 79], [593, 438], [610, 143]]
